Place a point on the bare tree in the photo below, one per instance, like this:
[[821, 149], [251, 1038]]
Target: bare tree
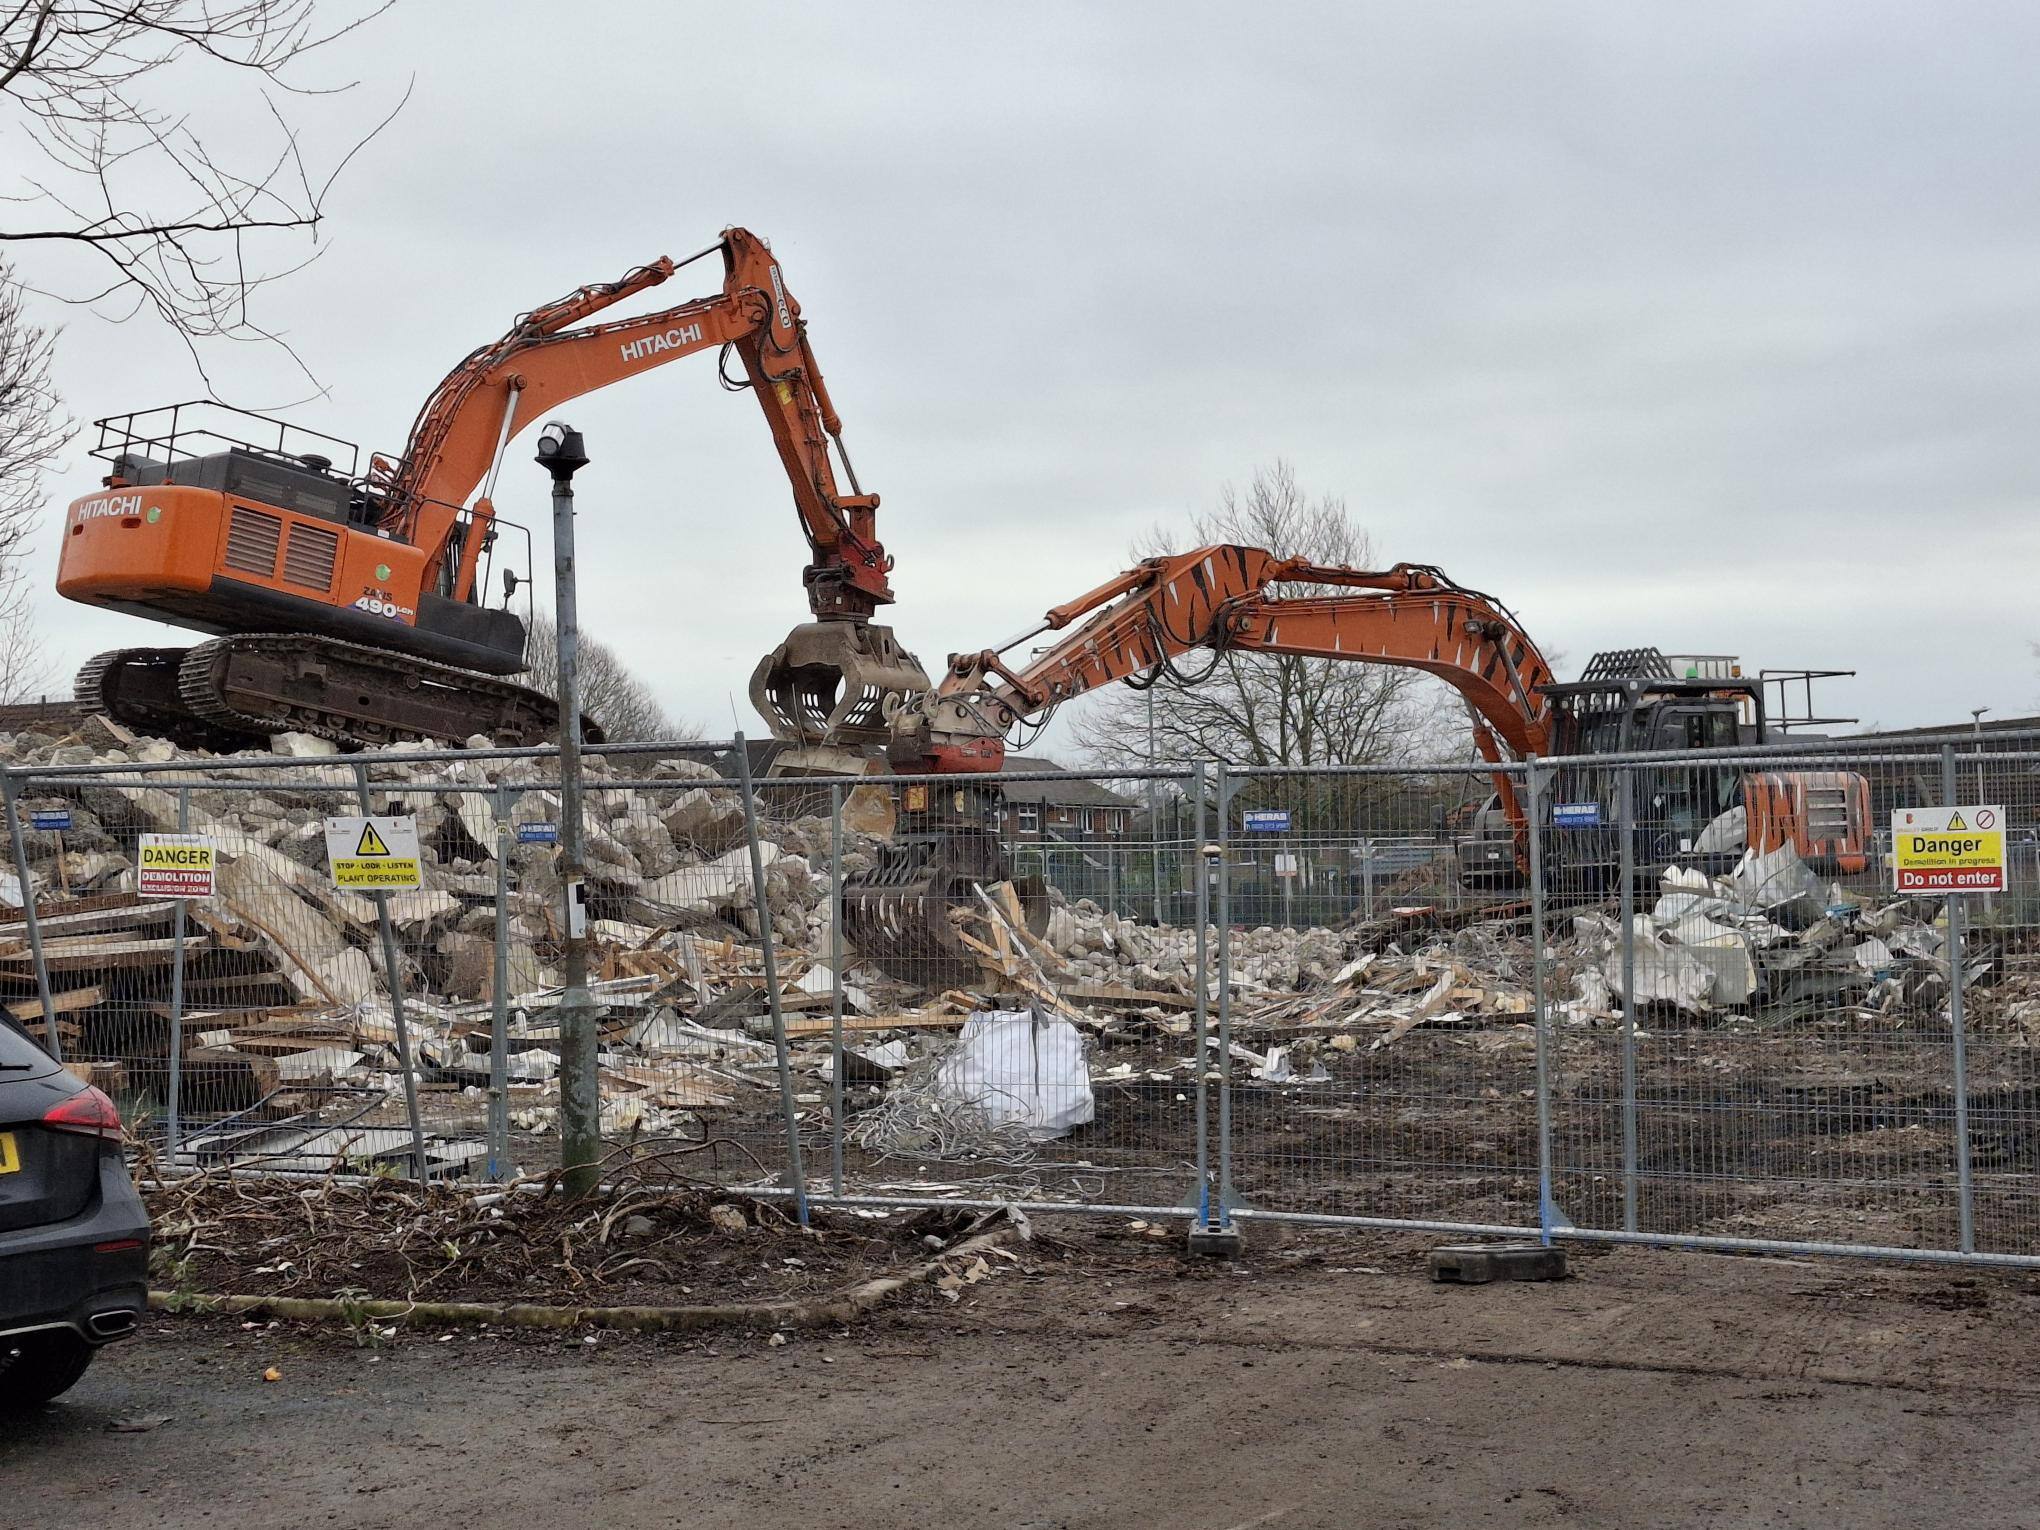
[[32, 431], [179, 226], [1271, 709], [617, 699]]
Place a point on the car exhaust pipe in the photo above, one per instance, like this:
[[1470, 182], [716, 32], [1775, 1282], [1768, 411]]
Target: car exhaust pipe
[[117, 1324]]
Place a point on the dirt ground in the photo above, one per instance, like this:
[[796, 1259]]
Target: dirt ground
[[1320, 1381]]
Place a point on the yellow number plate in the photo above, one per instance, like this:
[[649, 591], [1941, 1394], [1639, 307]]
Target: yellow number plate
[[10, 1159]]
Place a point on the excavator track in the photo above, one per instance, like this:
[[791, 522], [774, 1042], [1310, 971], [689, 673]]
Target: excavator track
[[138, 688], [265, 683]]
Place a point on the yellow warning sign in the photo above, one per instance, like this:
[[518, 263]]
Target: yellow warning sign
[[175, 866], [374, 854], [1948, 849]]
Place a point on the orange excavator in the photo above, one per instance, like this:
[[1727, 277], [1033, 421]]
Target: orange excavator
[[353, 606], [1230, 598]]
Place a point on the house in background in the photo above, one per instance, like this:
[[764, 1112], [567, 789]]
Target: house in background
[[1071, 812]]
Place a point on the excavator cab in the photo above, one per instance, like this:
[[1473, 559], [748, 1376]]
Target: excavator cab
[[1639, 701]]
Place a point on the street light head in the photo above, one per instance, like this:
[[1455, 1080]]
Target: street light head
[[561, 451]]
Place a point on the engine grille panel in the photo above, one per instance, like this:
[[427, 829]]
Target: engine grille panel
[[308, 559], [252, 537]]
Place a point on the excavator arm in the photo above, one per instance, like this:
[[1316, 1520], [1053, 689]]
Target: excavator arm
[[1220, 598], [1224, 598], [550, 356]]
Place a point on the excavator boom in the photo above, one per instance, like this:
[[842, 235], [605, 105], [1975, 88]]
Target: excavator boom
[[1222, 597], [1226, 597], [542, 363]]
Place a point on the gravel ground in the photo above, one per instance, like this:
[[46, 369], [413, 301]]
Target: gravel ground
[[1321, 1381]]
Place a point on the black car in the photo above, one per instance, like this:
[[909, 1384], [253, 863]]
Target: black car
[[74, 1238]]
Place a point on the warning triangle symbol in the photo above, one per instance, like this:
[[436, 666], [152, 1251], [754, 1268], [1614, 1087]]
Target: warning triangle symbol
[[1955, 821], [371, 842]]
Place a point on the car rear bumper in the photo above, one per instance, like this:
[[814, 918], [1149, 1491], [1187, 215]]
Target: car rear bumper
[[77, 1274]]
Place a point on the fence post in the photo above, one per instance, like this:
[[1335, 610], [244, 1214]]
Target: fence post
[[836, 994], [1533, 818], [1959, 1032], [1625, 825], [1225, 1185], [1201, 903], [393, 976], [499, 1000], [1154, 815], [770, 960], [174, 1089], [1216, 1232], [1367, 873], [11, 792]]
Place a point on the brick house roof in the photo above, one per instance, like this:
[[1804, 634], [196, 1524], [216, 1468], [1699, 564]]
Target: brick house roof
[[1057, 793]]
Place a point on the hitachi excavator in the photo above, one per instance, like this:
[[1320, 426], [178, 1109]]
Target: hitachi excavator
[[354, 607], [1412, 615]]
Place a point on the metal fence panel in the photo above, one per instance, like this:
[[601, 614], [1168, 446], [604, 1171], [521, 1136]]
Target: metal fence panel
[[1381, 1058], [1673, 1000]]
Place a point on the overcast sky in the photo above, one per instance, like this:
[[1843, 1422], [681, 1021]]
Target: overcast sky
[[1716, 327]]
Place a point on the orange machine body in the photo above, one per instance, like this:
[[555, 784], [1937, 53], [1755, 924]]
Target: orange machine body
[[214, 561], [1824, 815]]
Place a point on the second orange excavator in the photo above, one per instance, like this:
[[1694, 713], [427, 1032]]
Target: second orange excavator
[[1232, 598]]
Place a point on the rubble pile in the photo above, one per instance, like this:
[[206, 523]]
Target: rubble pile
[[284, 987], [1774, 939]]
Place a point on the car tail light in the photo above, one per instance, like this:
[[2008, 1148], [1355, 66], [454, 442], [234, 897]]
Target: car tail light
[[88, 1112]]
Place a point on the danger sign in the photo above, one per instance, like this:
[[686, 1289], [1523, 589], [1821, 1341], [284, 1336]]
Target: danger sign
[[374, 854], [1948, 849], [175, 866]]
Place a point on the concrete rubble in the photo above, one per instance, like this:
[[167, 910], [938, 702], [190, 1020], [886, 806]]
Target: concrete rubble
[[285, 992]]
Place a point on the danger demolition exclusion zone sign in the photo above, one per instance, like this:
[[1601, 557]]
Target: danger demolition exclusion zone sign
[[175, 866], [1948, 849], [374, 854]]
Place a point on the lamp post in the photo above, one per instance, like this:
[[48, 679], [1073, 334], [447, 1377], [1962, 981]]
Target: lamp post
[[1976, 726], [562, 453]]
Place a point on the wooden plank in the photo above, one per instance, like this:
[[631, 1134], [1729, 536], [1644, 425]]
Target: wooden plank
[[1108, 993], [77, 955], [64, 1002], [124, 917], [863, 1024], [45, 912]]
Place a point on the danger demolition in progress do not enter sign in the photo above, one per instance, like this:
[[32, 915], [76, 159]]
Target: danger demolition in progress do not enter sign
[[1948, 849]]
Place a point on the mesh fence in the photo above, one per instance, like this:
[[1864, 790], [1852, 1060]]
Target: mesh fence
[[1671, 997]]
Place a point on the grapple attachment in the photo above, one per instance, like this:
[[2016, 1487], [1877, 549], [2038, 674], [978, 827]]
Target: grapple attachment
[[897, 914], [837, 682]]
